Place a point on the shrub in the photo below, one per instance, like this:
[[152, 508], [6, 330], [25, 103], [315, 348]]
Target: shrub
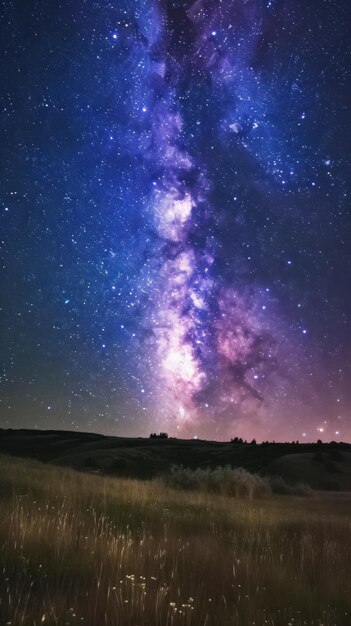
[[228, 481], [236, 482], [280, 486], [301, 489]]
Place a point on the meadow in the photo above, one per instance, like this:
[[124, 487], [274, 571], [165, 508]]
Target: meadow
[[79, 548]]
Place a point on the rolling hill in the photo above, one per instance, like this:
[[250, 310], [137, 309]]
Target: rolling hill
[[322, 466]]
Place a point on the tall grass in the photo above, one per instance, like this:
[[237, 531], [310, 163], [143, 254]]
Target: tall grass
[[84, 549]]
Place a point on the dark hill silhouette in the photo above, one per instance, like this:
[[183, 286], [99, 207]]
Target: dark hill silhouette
[[322, 466]]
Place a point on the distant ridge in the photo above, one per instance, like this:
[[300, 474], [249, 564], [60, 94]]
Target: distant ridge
[[325, 466]]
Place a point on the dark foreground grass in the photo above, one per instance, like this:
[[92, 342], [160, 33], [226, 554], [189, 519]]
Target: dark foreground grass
[[84, 549]]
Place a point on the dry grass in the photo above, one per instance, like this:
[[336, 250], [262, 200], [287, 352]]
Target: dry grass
[[84, 549]]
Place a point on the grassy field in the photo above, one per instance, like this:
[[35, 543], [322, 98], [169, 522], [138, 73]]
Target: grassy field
[[85, 549]]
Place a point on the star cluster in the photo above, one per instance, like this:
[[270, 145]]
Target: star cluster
[[175, 217]]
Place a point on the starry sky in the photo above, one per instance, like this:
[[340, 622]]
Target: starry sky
[[175, 217]]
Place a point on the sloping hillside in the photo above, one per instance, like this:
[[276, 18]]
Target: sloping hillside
[[323, 466], [323, 469]]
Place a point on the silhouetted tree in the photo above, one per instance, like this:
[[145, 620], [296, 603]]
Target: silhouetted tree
[[237, 440]]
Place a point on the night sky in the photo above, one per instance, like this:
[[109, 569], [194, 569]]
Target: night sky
[[175, 217]]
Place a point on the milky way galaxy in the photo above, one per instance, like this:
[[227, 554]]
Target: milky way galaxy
[[175, 208], [200, 329]]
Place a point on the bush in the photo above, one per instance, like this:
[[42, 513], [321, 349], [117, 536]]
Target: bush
[[301, 489], [224, 480], [280, 486], [229, 481]]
